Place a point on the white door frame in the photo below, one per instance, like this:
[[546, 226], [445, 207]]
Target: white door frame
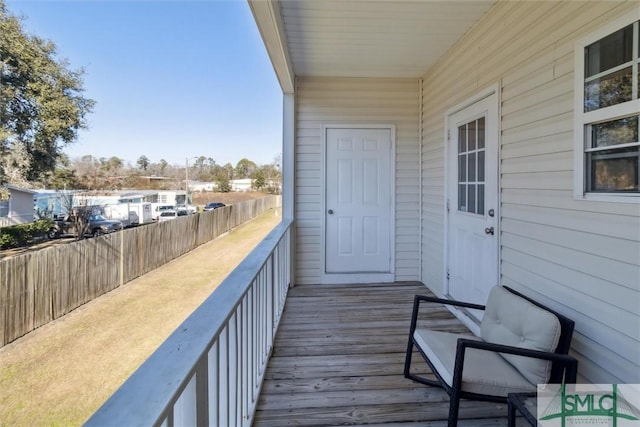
[[338, 278], [470, 321]]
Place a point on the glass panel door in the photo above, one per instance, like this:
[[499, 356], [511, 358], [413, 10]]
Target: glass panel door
[[471, 166]]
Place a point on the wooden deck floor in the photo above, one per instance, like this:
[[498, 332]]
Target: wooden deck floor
[[339, 357]]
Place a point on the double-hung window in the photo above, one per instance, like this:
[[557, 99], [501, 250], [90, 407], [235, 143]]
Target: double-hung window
[[607, 112]]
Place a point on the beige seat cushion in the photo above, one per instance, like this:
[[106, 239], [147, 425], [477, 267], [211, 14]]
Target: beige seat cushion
[[485, 372], [511, 320]]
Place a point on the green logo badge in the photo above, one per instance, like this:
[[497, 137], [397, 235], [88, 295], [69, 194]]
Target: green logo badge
[[588, 405]]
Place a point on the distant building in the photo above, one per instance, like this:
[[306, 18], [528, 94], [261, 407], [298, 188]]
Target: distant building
[[241, 185], [202, 186], [26, 205], [168, 197], [138, 196]]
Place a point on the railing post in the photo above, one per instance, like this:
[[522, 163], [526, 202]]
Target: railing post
[[213, 383], [223, 382], [246, 356], [270, 302], [202, 391], [233, 370], [184, 410]]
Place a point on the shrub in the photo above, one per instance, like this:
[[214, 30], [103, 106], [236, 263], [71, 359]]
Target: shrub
[[23, 234], [7, 241]]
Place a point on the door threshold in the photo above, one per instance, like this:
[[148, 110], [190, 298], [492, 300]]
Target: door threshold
[[346, 278]]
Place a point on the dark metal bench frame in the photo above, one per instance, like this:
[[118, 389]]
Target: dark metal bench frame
[[563, 369]]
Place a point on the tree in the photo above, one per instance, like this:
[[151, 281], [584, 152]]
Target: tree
[[78, 212], [63, 176], [244, 169], [228, 171], [259, 181], [143, 162], [113, 164], [14, 164], [270, 177], [41, 102], [90, 172], [223, 175], [224, 186], [163, 165]]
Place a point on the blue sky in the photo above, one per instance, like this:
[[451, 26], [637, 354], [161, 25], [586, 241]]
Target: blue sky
[[171, 79]]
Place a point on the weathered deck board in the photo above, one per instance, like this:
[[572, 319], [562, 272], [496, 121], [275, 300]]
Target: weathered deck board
[[339, 356]]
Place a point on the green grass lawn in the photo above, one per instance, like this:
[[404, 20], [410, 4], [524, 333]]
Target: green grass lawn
[[61, 373]]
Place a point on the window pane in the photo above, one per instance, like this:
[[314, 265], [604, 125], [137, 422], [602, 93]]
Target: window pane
[[614, 170], [472, 135], [472, 167], [481, 199], [462, 139], [472, 198], [462, 168], [462, 197], [611, 89], [609, 52], [480, 166], [481, 133], [622, 131]]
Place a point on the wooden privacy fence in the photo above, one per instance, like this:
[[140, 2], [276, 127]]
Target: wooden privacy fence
[[40, 286]]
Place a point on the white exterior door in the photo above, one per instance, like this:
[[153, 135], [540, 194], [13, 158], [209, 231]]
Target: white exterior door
[[472, 201], [358, 201]]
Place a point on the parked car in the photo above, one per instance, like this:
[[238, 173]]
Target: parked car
[[167, 215], [191, 209], [213, 205], [97, 224]]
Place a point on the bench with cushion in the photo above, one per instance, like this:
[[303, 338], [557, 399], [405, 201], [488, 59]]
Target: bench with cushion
[[521, 344]]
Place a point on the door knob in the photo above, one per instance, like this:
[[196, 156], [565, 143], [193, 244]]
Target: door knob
[[488, 230], [330, 211]]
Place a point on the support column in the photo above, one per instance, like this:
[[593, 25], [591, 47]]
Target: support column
[[288, 175], [288, 155]]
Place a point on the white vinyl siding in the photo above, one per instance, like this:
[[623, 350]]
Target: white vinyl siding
[[355, 101], [580, 257]]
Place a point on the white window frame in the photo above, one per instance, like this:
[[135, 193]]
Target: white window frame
[[582, 118]]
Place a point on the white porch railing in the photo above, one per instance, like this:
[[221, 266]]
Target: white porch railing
[[210, 370]]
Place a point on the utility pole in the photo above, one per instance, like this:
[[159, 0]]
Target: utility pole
[[186, 180]]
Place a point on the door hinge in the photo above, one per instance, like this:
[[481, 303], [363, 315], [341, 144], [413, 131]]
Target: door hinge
[[447, 274], [448, 134], [448, 208]]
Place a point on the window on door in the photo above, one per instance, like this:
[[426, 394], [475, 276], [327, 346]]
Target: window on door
[[608, 111], [471, 166]]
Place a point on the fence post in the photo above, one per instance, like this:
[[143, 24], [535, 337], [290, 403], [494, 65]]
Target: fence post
[[122, 255]]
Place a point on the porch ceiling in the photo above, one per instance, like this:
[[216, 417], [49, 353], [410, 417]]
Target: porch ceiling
[[353, 38]]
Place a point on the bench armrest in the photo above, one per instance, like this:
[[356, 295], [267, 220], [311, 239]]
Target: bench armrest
[[423, 298], [569, 363]]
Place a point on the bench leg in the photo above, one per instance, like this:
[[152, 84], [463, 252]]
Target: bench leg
[[407, 359], [511, 414], [454, 406]]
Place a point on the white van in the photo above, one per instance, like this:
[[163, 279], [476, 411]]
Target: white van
[[159, 209]]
